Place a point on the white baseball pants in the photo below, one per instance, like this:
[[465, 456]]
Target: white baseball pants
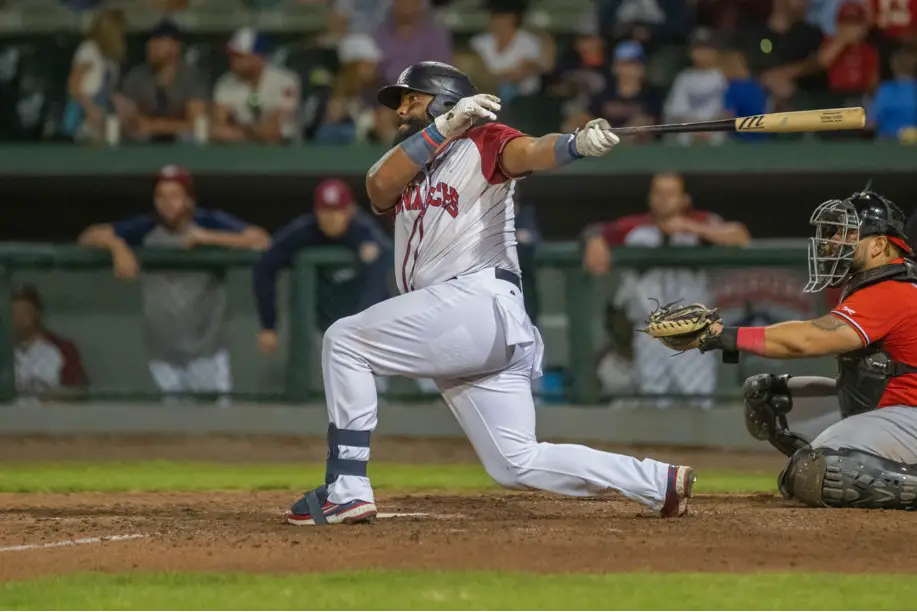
[[473, 337], [201, 375]]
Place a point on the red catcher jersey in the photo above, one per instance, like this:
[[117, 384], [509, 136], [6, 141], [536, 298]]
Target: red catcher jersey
[[894, 17], [885, 312]]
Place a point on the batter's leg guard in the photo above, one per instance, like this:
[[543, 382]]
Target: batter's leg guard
[[847, 478], [334, 465]]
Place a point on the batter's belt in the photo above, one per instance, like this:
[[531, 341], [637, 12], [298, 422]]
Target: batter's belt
[[505, 275]]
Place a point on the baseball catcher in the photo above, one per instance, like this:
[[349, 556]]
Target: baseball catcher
[[869, 458]]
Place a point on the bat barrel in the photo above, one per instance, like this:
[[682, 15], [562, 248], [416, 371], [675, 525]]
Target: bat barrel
[[831, 119]]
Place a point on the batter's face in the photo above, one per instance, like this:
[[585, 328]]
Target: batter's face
[[334, 223], [25, 320], [667, 196], [173, 205], [412, 114]]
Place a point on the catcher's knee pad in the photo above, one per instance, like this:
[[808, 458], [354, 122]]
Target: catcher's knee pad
[[847, 478]]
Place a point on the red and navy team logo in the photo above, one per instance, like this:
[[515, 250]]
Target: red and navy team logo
[[440, 195]]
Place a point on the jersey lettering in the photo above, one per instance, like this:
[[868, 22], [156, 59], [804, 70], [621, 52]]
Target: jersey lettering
[[440, 195], [433, 242]]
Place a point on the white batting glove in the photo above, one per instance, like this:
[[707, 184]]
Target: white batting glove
[[596, 139], [466, 111]]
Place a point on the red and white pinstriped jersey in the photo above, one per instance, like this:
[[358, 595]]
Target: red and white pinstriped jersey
[[457, 217]]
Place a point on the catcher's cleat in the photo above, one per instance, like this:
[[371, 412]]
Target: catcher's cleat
[[679, 491], [315, 509]]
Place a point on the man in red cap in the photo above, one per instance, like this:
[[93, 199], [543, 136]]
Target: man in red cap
[[184, 311], [336, 221]]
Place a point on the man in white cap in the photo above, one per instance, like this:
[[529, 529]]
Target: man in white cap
[[255, 101]]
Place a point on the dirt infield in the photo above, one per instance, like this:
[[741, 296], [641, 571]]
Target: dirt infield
[[241, 531]]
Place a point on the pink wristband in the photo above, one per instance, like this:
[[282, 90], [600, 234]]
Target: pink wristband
[[751, 340]]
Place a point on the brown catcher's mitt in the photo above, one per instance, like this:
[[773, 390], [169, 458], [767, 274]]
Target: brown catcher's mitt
[[681, 328]]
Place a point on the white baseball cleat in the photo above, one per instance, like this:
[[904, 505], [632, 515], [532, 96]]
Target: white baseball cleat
[[678, 491]]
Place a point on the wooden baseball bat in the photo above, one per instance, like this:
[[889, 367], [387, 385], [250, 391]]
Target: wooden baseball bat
[[853, 118]]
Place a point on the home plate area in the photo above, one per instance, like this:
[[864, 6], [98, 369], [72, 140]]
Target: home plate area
[[243, 531]]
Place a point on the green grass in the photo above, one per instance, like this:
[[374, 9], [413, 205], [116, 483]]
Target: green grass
[[463, 591], [75, 476]]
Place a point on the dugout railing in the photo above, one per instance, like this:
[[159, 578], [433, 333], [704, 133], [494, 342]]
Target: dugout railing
[[103, 316]]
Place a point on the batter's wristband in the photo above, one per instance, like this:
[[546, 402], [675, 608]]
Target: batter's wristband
[[421, 147], [565, 149]]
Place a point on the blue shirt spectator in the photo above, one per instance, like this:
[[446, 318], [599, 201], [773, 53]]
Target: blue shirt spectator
[[744, 96], [895, 105], [336, 222]]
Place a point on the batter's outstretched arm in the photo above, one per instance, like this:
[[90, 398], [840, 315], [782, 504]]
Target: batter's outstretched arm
[[529, 154]]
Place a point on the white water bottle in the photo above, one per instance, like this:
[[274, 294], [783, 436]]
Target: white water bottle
[[201, 129], [112, 130]]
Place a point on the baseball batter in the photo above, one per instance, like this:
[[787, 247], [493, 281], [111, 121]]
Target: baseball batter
[[460, 319], [869, 458]]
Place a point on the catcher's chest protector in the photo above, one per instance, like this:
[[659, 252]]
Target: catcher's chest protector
[[862, 375]]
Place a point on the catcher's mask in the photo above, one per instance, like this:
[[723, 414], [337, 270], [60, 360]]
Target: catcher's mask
[[840, 225]]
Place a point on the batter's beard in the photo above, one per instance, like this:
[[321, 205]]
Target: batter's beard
[[408, 128]]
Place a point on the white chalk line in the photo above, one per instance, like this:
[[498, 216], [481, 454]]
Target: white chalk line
[[115, 538]]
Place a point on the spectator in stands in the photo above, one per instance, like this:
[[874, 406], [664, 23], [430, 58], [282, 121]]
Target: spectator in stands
[[528, 239], [48, 366], [512, 54], [184, 311], [851, 61], [650, 22], [163, 98], [336, 221], [782, 51], [896, 24], [358, 16], [352, 113], [671, 221], [628, 100], [615, 360], [726, 15], [744, 95], [411, 34], [583, 71], [94, 76], [895, 106], [698, 93], [255, 101], [823, 14]]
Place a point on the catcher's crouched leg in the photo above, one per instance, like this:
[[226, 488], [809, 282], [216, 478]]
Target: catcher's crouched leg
[[847, 478]]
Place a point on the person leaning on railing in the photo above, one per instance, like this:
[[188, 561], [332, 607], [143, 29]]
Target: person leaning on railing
[[184, 311], [671, 221], [337, 221]]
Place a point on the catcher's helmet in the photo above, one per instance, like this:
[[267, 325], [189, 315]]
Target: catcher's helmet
[[445, 83], [840, 224]]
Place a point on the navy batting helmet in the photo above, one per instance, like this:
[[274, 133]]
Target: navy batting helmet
[[445, 83]]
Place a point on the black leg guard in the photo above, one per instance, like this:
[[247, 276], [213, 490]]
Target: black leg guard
[[847, 478]]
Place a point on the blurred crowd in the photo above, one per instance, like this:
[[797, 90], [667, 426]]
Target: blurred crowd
[[634, 62]]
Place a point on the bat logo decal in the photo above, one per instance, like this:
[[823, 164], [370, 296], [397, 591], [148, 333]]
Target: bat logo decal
[[753, 122]]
